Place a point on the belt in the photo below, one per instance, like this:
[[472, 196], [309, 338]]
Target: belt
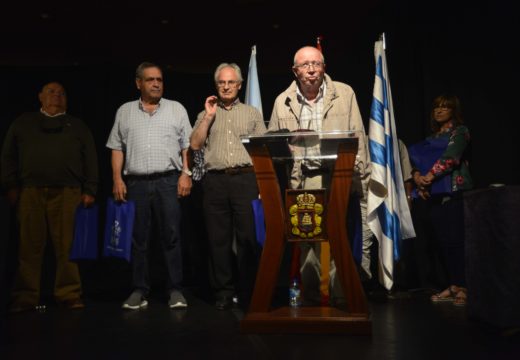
[[152, 176], [234, 170], [314, 172]]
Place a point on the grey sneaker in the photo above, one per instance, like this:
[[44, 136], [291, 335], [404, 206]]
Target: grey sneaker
[[177, 300], [135, 301]]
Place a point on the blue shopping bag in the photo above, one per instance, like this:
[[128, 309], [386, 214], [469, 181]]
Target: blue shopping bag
[[258, 211], [118, 229], [85, 242], [423, 155], [355, 228]]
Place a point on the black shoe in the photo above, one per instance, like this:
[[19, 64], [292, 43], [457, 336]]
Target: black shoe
[[18, 308], [224, 303], [72, 304]]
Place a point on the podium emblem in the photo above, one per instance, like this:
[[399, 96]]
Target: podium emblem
[[306, 214]]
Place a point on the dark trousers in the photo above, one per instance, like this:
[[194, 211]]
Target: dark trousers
[[448, 222], [157, 206], [426, 260], [229, 214], [5, 227]]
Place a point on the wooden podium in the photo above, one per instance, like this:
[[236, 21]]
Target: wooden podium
[[261, 318]]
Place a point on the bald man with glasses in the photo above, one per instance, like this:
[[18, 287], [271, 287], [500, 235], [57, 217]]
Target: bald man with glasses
[[315, 102]]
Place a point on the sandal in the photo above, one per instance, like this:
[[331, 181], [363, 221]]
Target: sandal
[[447, 295], [461, 298]]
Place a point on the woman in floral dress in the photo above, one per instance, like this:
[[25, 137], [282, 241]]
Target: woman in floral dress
[[442, 185]]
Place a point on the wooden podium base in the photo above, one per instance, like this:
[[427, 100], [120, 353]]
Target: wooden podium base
[[306, 320], [261, 318]]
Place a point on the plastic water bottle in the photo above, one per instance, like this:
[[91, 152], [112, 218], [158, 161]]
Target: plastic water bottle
[[295, 294]]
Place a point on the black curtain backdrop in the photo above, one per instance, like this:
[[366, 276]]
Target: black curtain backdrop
[[463, 49]]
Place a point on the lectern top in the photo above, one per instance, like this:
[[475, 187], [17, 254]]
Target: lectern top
[[303, 144], [300, 134]]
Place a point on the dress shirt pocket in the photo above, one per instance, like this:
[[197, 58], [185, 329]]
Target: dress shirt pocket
[[169, 137]]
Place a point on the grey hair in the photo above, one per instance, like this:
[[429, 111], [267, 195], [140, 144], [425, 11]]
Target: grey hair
[[143, 66], [230, 65]]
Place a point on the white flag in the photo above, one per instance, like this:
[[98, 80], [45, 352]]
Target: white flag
[[253, 97], [388, 215]]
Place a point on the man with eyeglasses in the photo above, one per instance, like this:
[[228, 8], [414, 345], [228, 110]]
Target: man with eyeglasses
[[49, 167], [149, 143], [229, 186], [314, 102]]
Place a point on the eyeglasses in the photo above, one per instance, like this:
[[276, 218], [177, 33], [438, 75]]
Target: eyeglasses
[[307, 65], [230, 83], [56, 92]]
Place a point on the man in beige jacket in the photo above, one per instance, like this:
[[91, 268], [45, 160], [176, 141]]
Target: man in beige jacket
[[314, 102]]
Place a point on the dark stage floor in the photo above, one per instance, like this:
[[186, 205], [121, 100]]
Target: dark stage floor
[[405, 327]]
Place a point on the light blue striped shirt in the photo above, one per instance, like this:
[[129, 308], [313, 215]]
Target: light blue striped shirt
[[152, 143]]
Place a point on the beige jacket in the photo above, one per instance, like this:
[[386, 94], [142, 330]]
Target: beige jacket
[[340, 112]]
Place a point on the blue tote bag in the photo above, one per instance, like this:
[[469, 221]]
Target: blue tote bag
[[118, 229], [354, 228], [258, 212], [85, 243], [423, 155]]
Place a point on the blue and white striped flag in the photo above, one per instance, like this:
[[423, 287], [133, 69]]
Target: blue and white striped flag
[[388, 215], [253, 97]]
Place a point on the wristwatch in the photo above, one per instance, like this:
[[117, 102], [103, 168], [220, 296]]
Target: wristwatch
[[187, 172]]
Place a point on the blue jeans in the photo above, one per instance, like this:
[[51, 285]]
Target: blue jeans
[[156, 203]]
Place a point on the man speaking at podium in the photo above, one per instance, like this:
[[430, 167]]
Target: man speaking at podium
[[314, 102]]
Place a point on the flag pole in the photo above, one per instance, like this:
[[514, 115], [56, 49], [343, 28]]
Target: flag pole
[[388, 214], [319, 38]]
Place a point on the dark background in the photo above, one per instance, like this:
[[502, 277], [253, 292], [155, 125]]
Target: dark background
[[432, 47], [93, 48]]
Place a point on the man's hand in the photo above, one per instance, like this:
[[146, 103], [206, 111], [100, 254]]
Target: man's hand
[[87, 200], [119, 190], [184, 185], [200, 133], [211, 107]]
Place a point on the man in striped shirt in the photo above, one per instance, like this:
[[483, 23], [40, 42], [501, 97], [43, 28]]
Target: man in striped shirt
[[149, 142], [229, 185]]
